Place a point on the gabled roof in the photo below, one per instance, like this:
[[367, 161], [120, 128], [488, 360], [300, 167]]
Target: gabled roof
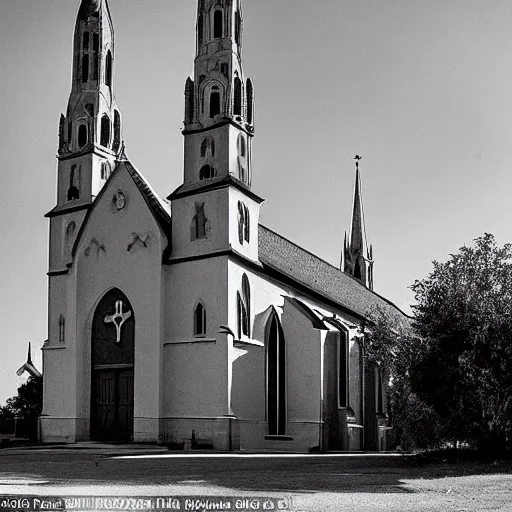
[[288, 259], [159, 207]]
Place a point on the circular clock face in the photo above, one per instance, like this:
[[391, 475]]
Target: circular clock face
[[119, 200]]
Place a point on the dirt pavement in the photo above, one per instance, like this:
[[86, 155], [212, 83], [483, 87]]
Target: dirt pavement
[[314, 482]]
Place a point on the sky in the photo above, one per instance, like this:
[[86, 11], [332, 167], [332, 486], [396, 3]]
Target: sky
[[421, 90]]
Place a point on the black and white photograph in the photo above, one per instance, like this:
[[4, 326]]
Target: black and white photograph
[[256, 255]]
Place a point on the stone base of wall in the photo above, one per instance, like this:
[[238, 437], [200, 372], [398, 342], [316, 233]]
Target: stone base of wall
[[63, 430], [300, 437], [220, 433], [145, 430]]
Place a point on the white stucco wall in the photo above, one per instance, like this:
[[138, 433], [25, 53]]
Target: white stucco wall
[[102, 262]]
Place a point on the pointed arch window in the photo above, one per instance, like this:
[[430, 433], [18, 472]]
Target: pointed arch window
[[199, 223], [200, 320], [95, 49], [200, 28], [117, 131], [62, 330], [105, 131], [73, 192], [82, 135], [85, 68], [208, 148], [108, 69], [244, 223], [218, 24], [69, 239], [244, 308], [237, 99], [214, 102], [207, 172], [357, 270], [250, 101], [242, 146], [343, 370], [276, 377]]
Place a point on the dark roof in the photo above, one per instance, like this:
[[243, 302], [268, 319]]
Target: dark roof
[[279, 254], [161, 209]]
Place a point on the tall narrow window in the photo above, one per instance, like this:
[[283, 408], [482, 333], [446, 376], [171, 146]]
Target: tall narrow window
[[73, 192], [217, 24], [108, 69], [237, 99], [214, 103], [343, 371], [105, 131], [242, 146], [250, 101], [86, 41], [200, 29], [62, 325], [238, 27], [276, 377], [379, 390], [117, 131], [200, 320], [244, 308], [357, 270], [208, 148], [69, 239], [199, 223], [247, 225], [85, 68], [243, 223], [96, 49], [82, 135]]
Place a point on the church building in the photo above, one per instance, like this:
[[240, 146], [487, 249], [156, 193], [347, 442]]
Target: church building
[[184, 321]]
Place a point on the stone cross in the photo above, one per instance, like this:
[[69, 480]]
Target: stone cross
[[118, 318]]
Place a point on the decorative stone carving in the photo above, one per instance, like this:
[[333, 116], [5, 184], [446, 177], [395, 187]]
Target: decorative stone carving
[[138, 240]]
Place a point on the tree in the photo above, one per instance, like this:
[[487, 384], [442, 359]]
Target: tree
[[395, 347], [464, 317], [29, 401]]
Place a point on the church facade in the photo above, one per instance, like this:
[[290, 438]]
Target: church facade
[[184, 321]]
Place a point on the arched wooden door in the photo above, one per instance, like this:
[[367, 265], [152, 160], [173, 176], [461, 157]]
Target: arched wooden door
[[112, 360]]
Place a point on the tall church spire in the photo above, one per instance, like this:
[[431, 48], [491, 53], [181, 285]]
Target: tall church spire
[[219, 102], [92, 124], [357, 257]]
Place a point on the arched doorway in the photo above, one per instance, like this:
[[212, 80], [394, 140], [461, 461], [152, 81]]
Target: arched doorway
[[112, 360]]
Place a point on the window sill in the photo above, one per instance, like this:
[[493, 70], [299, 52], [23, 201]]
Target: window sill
[[278, 438], [190, 342], [247, 341]]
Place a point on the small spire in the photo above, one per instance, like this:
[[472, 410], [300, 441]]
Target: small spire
[[29, 358]]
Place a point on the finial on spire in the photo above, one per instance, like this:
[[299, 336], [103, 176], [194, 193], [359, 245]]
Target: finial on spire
[[357, 158]]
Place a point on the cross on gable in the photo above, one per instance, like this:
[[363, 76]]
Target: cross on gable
[[118, 318]]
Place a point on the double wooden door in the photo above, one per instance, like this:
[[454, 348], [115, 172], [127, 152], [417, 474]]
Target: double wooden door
[[113, 342]]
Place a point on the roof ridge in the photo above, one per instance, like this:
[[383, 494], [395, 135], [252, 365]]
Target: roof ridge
[[340, 272]]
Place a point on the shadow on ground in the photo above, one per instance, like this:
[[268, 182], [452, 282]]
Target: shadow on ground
[[298, 475]]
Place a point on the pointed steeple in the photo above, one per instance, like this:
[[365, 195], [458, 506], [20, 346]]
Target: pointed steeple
[[358, 259], [219, 102], [92, 124]]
